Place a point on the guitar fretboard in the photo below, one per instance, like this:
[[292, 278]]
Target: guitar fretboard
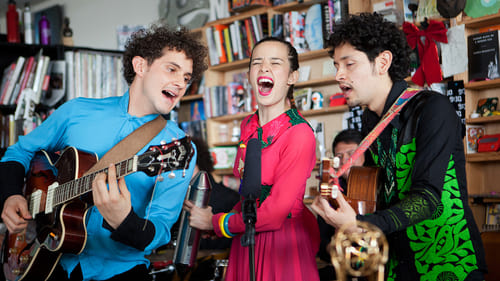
[[75, 188]]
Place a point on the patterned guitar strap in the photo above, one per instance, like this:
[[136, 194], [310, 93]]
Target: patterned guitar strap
[[370, 138]]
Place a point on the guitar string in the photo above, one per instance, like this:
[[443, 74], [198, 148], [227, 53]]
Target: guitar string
[[154, 189]]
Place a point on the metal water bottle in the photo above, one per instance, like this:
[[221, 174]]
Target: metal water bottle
[[28, 24], [188, 238], [44, 30], [13, 34]]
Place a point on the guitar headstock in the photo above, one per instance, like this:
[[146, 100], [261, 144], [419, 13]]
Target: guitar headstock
[[166, 157]]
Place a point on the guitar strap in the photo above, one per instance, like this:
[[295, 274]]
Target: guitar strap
[[131, 144], [372, 136]]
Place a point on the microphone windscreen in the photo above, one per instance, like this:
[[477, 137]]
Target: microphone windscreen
[[250, 186]]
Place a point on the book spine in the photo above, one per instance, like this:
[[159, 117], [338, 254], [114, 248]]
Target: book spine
[[7, 75], [27, 72], [13, 80], [227, 44], [219, 40]]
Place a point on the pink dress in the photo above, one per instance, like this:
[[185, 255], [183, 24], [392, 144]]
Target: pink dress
[[287, 235]]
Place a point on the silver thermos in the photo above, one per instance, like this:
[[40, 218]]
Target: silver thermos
[[188, 238]]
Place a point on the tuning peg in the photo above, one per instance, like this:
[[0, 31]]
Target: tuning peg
[[163, 142], [160, 178], [171, 175]]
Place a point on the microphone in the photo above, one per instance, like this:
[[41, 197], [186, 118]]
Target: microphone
[[250, 186], [250, 190]]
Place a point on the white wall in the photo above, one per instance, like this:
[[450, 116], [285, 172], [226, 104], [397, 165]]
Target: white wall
[[94, 22]]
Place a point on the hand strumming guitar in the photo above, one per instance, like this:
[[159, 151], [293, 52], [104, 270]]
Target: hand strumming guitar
[[113, 204], [344, 214], [15, 213]]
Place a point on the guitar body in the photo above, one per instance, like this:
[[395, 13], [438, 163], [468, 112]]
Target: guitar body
[[34, 253], [362, 187], [54, 189]]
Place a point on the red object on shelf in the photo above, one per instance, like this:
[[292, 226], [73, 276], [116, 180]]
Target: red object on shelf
[[337, 99], [489, 143], [13, 35]]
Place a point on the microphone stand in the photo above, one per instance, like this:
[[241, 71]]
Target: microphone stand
[[248, 238]]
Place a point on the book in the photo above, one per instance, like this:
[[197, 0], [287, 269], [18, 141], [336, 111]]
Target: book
[[70, 78], [249, 33], [472, 134], [197, 110], [227, 44], [7, 74], [236, 94], [314, 28], [26, 76], [223, 156], [57, 84], [302, 98], [212, 48], [483, 51], [219, 42], [13, 80], [40, 73]]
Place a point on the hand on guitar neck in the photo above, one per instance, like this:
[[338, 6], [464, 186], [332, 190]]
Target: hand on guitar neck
[[114, 203]]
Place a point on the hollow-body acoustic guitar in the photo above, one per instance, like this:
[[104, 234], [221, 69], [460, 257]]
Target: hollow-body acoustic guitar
[[55, 186]]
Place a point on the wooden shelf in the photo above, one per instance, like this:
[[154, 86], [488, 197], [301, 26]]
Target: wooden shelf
[[306, 113], [191, 98], [482, 157], [483, 120], [326, 110], [227, 143], [313, 54], [230, 65], [316, 82], [485, 198], [483, 85], [227, 118], [488, 20], [223, 172], [244, 62], [295, 5], [248, 13]]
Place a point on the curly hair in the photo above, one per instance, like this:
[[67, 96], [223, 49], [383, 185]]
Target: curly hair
[[371, 34], [152, 42], [293, 58]]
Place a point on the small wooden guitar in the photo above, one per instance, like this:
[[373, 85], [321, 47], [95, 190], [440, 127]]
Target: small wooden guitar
[[362, 187], [54, 193]]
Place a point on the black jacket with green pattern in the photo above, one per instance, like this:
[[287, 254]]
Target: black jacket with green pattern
[[422, 207]]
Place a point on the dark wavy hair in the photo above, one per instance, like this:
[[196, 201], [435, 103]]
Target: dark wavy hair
[[293, 58], [204, 160], [371, 34], [152, 42]]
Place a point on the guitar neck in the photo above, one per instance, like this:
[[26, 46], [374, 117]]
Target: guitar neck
[[78, 187]]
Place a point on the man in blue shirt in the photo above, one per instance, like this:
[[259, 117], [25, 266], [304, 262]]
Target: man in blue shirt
[[133, 215]]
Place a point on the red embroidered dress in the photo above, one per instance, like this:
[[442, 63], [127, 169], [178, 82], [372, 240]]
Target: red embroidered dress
[[287, 235]]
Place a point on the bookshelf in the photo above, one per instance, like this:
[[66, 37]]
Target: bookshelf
[[57, 78], [319, 80], [482, 168]]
